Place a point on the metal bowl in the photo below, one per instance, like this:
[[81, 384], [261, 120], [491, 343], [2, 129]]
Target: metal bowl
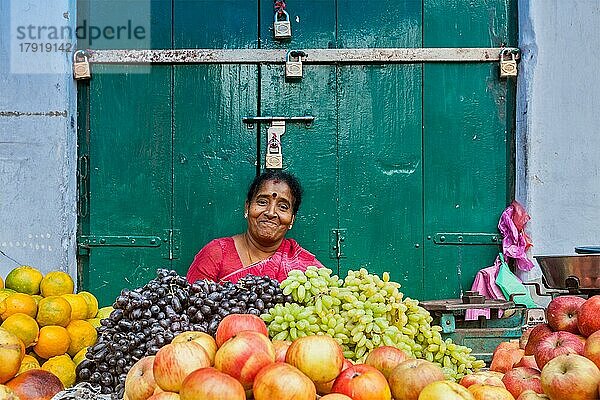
[[571, 272]]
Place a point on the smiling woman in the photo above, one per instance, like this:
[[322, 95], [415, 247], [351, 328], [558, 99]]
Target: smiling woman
[[272, 202]]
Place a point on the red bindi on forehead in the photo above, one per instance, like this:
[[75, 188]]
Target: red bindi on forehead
[[274, 195]]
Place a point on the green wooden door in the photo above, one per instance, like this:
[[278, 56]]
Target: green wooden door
[[398, 155]]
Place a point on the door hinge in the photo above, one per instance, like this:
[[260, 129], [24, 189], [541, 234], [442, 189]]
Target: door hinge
[[336, 243], [169, 242], [459, 239]]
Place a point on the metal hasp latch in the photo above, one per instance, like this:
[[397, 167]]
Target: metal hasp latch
[[336, 241], [274, 153], [168, 242]]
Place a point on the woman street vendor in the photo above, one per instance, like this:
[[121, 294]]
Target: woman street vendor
[[271, 206]]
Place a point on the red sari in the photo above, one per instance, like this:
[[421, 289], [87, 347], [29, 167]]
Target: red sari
[[220, 261]]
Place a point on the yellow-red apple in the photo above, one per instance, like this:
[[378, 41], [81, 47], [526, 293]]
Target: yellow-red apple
[[409, 378], [319, 357], [385, 359], [571, 377], [519, 379], [174, 361], [244, 355], [362, 382]]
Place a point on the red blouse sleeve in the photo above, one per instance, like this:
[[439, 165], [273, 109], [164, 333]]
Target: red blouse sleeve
[[207, 263]]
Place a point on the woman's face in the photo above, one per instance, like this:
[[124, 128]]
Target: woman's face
[[270, 212]]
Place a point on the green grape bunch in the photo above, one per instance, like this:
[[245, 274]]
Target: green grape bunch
[[364, 311]]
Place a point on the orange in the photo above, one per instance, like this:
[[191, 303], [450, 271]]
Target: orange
[[63, 367], [53, 341], [37, 298], [1, 283], [12, 352], [24, 279], [23, 326], [4, 293], [54, 310], [56, 283], [82, 335], [79, 307], [18, 303], [29, 362], [92, 304]]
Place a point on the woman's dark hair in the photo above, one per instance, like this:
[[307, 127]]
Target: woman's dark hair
[[277, 175]]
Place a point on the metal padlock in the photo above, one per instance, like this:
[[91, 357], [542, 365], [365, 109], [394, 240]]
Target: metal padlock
[[293, 68], [81, 65], [282, 28], [508, 67]]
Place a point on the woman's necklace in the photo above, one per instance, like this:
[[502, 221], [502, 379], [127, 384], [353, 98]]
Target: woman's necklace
[[248, 249]]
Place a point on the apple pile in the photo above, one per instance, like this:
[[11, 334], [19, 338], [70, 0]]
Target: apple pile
[[559, 360], [241, 362]]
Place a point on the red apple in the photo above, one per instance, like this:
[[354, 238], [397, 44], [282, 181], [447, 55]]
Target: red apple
[[588, 320], [335, 396], [562, 313], [234, 323], [488, 392], [385, 359], [555, 344], [319, 357], [519, 379], [175, 361], [510, 345], [445, 390], [281, 348], [139, 383], [411, 376], [531, 395], [490, 378], [282, 381], [527, 361], [362, 382], [325, 388], [571, 377], [244, 355], [505, 359], [591, 349], [203, 339], [210, 384], [537, 333]]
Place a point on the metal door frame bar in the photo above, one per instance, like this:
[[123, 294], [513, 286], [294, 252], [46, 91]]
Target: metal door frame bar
[[314, 56]]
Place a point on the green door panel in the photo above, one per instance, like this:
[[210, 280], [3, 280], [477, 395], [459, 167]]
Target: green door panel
[[380, 169], [309, 153], [465, 175], [397, 153], [129, 175], [210, 24], [214, 153], [379, 23], [460, 23]]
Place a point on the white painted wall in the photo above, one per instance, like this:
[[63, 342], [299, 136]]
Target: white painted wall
[[37, 143], [558, 123]]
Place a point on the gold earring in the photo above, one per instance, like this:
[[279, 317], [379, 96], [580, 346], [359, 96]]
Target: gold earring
[[291, 226]]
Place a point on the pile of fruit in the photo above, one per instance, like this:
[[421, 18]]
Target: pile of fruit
[[559, 360], [363, 312], [147, 318], [45, 326], [241, 362]]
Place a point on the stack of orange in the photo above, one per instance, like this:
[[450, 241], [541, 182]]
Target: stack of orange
[[54, 325]]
